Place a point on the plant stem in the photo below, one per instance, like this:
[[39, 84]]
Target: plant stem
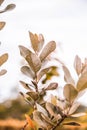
[[59, 122]]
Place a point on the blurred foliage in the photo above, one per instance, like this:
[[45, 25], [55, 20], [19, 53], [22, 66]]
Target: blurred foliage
[[13, 109]]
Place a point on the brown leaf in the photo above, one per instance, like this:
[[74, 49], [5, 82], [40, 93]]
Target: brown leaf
[[43, 72], [74, 107], [53, 110], [24, 51], [33, 95], [67, 76], [25, 85], [10, 7], [78, 64], [52, 86], [27, 71], [34, 62], [2, 24], [1, 1], [82, 82], [3, 58], [50, 47], [2, 72], [70, 92], [72, 123]]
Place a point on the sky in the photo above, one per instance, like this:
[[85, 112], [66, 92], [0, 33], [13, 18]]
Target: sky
[[64, 21]]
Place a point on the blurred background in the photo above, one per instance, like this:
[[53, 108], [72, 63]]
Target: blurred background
[[64, 21]]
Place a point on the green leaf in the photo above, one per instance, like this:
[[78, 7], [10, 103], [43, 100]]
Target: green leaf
[[3, 58], [70, 92], [34, 62], [78, 64], [82, 82], [24, 51], [50, 47], [67, 76], [52, 86], [72, 123], [2, 24], [27, 71]]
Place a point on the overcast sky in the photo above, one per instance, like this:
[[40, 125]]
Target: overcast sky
[[64, 21]]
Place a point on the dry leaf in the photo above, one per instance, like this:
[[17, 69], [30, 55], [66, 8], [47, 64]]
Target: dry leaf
[[50, 47], [70, 92], [67, 76], [34, 62], [2, 72], [52, 86], [2, 24], [3, 58], [1, 1]]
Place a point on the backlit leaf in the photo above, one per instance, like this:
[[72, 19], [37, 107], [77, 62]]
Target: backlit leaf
[[82, 82], [34, 62], [52, 86], [67, 76], [70, 92], [3, 58], [2, 72], [50, 47], [74, 107], [78, 64], [2, 24], [30, 122], [27, 71]]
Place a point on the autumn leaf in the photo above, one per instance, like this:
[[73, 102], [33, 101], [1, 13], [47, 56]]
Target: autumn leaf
[[30, 122]]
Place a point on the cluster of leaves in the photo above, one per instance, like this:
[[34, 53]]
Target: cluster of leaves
[[44, 114], [4, 57]]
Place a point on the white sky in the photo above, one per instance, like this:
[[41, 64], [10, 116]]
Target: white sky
[[64, 21]]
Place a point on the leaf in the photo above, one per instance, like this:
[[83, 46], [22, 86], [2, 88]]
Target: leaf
[[81, 109], [52, 86], [78, 114], [33, 95], [74, 107], [50, 47], [70, 92], [72, 123], [2, 24], [82, 82], [41, 109], [53, 110], [1, 1], [34, 62], [2, 72], [67, 76], [78, 64], [37, 116], [3, 58], [25, 85], [10, 7], [36, 41], [24, 51], [27, 71], [42, 73], [53, 100], [30, 122]]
